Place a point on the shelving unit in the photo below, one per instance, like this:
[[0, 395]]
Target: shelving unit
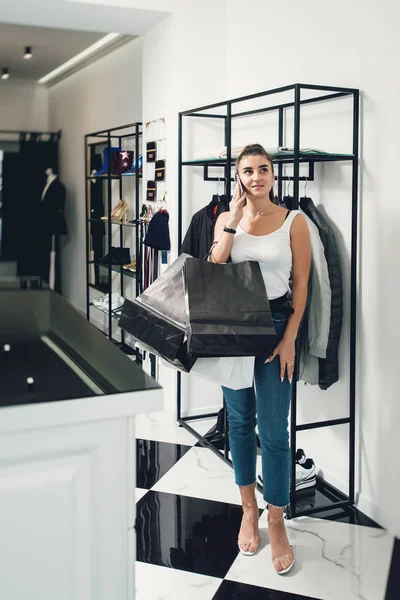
[[125, 137], [329, 498]]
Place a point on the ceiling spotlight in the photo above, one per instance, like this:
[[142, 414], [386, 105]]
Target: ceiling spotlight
[[28, 52], [5, 74]]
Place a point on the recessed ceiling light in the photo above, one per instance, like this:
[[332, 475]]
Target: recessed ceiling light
[[28, 52], [5, 74], [79, 57]]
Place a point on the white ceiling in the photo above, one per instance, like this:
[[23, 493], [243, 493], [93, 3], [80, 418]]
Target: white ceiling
[[130, 17], [50, 48]]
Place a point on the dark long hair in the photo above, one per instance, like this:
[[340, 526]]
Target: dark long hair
[[257, 150]]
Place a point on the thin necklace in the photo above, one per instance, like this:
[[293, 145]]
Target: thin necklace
[[260, 212]]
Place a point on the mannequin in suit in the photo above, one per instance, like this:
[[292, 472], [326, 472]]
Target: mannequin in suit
[[52, 226]]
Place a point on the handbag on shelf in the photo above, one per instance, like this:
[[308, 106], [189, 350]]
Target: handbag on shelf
[[157, 319], [151, 191], [228, 309], [151, 149], [160, 170]]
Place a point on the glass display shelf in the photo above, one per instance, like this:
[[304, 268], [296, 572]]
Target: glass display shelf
[[115, 314], [105, 177], [127, 224], [115, 268], [278, 157]]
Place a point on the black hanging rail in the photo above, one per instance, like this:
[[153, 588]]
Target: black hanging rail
[[336, 498]]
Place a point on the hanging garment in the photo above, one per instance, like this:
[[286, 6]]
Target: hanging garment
[[158, 231], [328, 367], [51, 223], [318, 316], [200, 234]]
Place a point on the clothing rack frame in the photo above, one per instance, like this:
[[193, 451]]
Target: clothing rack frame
[[107, 137], [337, 499]]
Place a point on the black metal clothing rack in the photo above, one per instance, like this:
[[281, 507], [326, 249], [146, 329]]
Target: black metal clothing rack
[[317, 94], [106, 136]]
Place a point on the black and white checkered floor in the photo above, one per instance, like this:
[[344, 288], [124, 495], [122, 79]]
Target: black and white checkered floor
[[188, 518]]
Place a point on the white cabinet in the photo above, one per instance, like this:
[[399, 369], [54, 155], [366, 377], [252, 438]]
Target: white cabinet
[[67, 512]]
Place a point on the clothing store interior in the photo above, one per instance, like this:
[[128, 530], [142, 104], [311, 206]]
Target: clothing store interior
[[198, 287]]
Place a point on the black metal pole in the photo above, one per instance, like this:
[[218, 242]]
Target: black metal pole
[[109, 189], [353, 295], [137, 209], [87, 183], [228, 129], [280, 143], [121, 238], [293, 414], [180, 133]]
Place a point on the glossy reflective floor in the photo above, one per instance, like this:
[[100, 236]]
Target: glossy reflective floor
[[188, 518]]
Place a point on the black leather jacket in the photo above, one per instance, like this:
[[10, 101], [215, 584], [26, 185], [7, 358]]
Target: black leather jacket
[[328, 367]]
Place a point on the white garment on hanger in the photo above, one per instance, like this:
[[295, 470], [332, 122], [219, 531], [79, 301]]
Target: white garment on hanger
[[50, 180], [319, 318]]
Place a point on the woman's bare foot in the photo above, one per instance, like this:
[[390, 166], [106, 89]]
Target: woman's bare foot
[[249, 537], [282, 555]]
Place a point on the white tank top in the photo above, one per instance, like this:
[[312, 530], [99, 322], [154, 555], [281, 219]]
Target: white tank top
[[274, 253]]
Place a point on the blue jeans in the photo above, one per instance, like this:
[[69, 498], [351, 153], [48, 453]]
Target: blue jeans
[[269, 399]]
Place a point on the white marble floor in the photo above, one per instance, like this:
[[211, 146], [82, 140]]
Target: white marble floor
[[334, 560]]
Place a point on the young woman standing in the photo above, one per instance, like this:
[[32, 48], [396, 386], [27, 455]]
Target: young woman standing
[[255, 228]]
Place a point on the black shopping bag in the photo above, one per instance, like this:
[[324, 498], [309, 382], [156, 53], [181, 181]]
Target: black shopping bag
[[228, 310], [157, 318]]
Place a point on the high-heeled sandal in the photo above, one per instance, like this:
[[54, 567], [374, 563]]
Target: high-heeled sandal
[[247, 552], [118, 212], [276, 560], [130, 266]]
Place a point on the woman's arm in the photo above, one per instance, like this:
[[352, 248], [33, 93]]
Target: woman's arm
[[301, 252], [223, 240]]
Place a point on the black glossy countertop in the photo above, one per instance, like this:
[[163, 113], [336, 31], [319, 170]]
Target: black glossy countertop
[[67, 357]]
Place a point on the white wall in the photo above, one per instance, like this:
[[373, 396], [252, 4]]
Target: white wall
[[181, 70], [272, 45], [210, 54], [23, 106], [106, 94]]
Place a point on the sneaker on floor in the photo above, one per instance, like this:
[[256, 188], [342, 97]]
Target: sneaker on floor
[[301, 456], [305, 475]]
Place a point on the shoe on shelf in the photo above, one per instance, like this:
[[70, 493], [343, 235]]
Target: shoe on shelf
[[132, 171], [301, 456], [143, 212], [106, 161], [103, 302], [305, 473], [117, 256], [130, 266], [118, 212]]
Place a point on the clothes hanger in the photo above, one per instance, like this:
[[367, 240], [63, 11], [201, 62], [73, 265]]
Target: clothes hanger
[[304, 200], [287, 199]]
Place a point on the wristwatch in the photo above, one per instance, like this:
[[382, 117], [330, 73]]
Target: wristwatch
[[229, 230]]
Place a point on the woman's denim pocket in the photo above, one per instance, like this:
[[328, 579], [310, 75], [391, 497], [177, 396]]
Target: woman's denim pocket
[[280, 320]]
